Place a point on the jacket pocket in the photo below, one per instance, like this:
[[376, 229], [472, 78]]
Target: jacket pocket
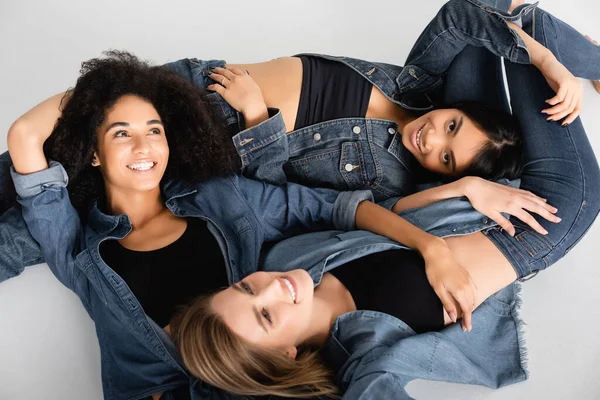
[[351, 166]]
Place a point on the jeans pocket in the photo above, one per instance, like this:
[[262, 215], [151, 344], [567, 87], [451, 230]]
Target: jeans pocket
[[532, 242]]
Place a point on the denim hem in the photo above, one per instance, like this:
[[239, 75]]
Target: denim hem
[[521, 331], [521, 267]]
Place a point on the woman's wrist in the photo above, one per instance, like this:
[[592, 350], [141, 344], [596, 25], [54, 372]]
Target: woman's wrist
[[432, 247], [255, 115]]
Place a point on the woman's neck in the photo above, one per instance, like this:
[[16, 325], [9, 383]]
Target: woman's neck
[[139, 206], [381, 107], [330, 301]]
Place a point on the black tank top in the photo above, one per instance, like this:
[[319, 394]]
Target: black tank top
[[330, 90], [394, 282], [166, 278]]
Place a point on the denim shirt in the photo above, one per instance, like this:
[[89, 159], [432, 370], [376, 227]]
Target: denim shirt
[[375, 354], [240, 213]]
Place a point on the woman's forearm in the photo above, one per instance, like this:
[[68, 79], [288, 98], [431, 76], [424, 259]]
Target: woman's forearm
[[379, 220], [27, 135], [429, 196], [537, 52]]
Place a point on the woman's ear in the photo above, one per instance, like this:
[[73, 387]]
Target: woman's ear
[[95, 160], [291, 352]]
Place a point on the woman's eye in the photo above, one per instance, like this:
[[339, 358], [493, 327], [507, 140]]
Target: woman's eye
[[246, 288], [120, 134], [446, 158], [451, 126], [266, 315], [155, 131]]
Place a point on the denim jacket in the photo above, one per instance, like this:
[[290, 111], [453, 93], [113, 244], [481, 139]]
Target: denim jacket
[[367, 153], [241, 214], [375, 354]]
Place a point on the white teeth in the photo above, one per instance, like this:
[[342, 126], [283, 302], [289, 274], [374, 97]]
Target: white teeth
[[418, 139], [142, 166], [291, 288]]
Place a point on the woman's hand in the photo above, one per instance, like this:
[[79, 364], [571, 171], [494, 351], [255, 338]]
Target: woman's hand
[[451, 282], [569, 91], [241, 92], [491, 199]]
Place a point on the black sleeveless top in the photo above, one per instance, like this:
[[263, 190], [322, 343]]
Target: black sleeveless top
[[394, 282], [166, 278], [330, 90]]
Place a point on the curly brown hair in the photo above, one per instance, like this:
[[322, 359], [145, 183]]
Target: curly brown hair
[[199, 146]]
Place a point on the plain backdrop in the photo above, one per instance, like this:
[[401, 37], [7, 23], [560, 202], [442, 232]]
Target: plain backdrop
[[48, 347]]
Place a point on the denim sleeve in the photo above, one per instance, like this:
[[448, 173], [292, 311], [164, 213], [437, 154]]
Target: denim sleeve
[[377, 385], [18, 249], [467, 22], [263, 149], [50, 218], [281, 209]]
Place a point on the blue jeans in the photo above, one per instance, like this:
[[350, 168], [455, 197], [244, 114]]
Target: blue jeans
[[559, 161]]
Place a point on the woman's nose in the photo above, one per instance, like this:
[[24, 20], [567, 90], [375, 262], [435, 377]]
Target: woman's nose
[[431, 140], [141, 145]]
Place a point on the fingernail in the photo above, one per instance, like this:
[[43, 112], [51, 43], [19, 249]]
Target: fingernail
[[545, 232], [558, 219], [452, 315], [464, 328]]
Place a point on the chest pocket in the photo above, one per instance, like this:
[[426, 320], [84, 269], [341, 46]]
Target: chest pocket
[[343, 166]]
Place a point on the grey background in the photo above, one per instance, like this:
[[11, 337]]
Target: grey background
[[48, 347]]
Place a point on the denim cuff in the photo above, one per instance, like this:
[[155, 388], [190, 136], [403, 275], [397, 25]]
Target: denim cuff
[[32, 184], [260, 135], [389, 203], [344, 208]]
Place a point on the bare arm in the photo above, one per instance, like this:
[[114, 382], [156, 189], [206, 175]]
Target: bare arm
[[569, 91], [27, 135], [430, 196], [451, 282]]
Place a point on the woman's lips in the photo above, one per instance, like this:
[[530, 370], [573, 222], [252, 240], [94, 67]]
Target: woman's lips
[[295, 286], [413, 138]]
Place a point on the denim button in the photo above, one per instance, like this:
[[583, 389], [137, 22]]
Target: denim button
[[391, 131], [356, 129], [348, 167], [317, 136], [485, 221]]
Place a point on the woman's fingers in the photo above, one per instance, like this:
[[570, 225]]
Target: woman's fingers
[[529, 220], [216, 88], [573, 116], [447, 302], [503, 223], [543, 212], [225, 72], [560, 96], [236, 71]]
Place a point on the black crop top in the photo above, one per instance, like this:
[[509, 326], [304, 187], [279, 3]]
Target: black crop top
[[330, 90], [394, 282], [166, 278]]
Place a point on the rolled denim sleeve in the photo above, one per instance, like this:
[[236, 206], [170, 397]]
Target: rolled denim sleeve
[[460, 23], [263, 149], [33, 184], [51, 219], [281, 210]]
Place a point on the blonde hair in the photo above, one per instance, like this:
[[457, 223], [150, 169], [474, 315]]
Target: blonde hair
[[215, 354]]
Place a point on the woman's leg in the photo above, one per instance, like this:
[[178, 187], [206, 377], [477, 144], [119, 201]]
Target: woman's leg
[[560, 166]]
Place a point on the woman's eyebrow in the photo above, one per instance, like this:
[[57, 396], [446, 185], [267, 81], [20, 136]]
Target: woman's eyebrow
[[126, 124], [458, 126]]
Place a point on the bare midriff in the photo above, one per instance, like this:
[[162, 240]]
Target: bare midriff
[[281, 82]]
